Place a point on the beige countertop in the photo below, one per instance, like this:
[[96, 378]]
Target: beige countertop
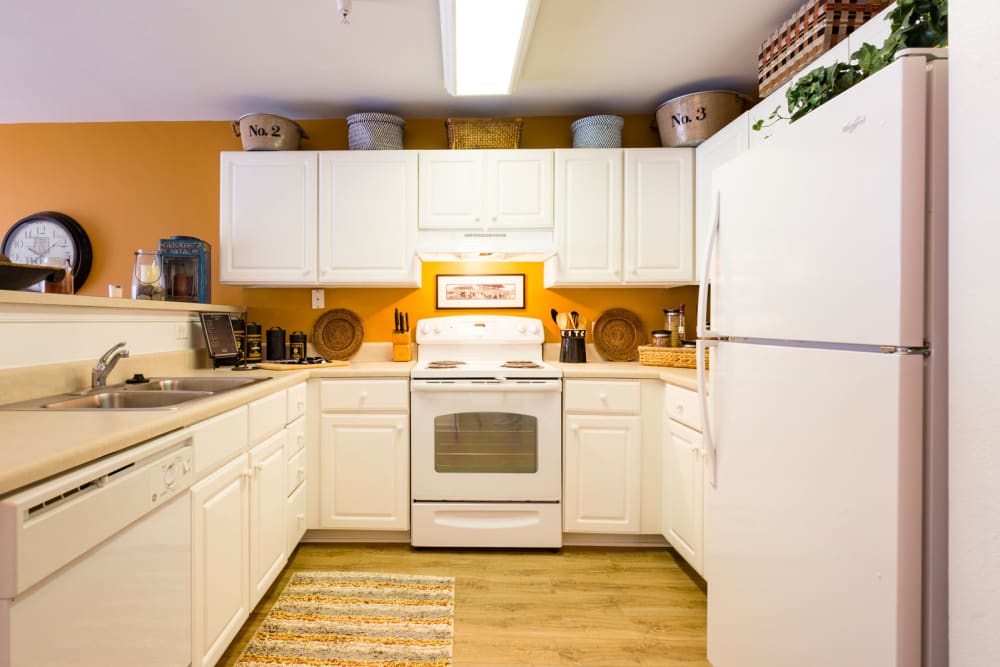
[[37, 444]]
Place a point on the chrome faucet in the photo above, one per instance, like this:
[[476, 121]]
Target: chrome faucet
[[99, 373]]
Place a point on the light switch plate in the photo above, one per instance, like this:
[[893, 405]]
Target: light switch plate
[[318, 299]]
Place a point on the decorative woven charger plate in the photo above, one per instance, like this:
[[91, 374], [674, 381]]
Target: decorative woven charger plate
[[338, 334], [617, 335]]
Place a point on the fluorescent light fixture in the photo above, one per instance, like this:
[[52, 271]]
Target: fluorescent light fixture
[[483, 43]]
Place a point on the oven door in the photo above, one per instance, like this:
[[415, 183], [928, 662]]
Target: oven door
[[486, 440]]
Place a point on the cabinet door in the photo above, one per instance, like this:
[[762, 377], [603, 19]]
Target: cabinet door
[[220, 560], [451, 189], [267, 514], [364, 471], [368, 218], [518, 189], [268, 217], [724, 145], [658, 237], [295, 522], [601, 474], [683, 493], [588, 218]]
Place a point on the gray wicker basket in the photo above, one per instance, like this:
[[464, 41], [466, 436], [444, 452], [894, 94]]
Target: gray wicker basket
[[374, 131], [598, 132]]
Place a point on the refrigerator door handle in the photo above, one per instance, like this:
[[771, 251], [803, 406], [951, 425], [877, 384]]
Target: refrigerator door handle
[[702, 314], [706, 422]]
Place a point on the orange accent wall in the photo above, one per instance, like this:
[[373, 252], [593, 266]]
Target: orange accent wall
[[131, 184]]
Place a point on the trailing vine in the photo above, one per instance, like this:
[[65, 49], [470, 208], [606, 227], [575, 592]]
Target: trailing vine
[[915, 24]]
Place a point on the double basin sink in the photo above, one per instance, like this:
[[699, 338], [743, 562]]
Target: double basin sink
[[154, 394]]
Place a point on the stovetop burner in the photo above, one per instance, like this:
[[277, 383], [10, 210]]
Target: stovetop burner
[[521, 364], [445, 363]]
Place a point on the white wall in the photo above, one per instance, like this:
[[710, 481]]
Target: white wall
[[974, 379]]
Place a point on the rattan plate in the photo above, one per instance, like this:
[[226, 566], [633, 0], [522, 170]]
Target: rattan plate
[[618, 333], [338, 334]]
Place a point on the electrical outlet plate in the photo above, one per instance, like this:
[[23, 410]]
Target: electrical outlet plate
[[318, 299]]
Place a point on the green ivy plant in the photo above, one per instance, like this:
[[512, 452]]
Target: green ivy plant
[[915, 24]]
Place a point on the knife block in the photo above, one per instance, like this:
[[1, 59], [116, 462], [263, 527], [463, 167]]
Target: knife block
[[401, 346]]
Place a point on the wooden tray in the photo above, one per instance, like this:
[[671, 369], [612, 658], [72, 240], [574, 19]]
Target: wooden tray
[[338, 334], [271, 366], [617, 335]]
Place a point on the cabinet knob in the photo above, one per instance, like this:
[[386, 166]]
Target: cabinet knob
[[574, 427], [603, 396], [679, 408], [300, 437], [363, 395], [300, 517]]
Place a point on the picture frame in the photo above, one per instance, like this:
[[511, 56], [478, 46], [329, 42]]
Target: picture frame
[[464, 291]]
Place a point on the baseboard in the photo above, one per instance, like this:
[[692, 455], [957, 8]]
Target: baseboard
[[614, 540], [403, 537]]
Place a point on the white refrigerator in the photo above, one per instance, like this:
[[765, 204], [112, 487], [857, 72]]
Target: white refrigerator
[[825, 513]]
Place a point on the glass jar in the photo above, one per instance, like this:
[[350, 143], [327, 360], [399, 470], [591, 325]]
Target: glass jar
[[65, 284], [661, 338], [147, 276]]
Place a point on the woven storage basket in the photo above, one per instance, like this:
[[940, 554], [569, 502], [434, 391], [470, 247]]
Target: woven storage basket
[[814, 29], [678, 357], [597, 132], [484, 132], [374, 131]]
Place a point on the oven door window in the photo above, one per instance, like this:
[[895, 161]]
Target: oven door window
[[485, 442]]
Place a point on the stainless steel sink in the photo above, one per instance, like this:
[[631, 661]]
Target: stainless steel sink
[[126, 400], [162, 393], [214, 385]]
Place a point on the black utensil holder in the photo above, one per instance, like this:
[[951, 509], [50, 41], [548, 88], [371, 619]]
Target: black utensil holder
[[573, 348]]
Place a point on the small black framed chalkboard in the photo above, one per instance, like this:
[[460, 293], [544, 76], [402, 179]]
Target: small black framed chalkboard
[[219, 335]]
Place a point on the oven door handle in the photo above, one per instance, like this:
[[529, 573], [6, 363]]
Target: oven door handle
[[500, 384]]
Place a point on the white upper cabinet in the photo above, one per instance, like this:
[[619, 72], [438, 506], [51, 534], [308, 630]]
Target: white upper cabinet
[[267, 212], [841, 52], [623, 217], [724, 145], [658, 239], [485, 189], [368, 218], [588, 217]]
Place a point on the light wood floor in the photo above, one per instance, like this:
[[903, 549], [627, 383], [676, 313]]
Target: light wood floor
[[578, 606]]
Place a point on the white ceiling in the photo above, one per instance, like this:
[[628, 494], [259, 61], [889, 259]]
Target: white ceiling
[[130, 60]]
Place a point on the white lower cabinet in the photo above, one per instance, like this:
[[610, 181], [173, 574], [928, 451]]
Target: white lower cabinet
[[602, 456], [220, 560], [683, 477], [246, 518], [365, 455], [268, 511]]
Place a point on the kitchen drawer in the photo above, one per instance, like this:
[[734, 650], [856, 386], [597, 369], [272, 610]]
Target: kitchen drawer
[[682, 406], [296, 402], [618, 396], [296, 436], [268, 416], [357, 395], [295, 474], [218, 440]]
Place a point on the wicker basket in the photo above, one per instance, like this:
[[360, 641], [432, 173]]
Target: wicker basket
[[814, 29], [677, 357], [484, 132], [374, 131]]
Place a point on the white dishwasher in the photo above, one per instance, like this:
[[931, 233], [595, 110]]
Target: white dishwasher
[[95, 565]]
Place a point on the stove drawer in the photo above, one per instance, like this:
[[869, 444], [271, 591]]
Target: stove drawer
[[617, 396], [355, 395]]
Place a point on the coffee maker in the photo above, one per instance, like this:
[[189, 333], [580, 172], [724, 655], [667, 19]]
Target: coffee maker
[[187, 269]]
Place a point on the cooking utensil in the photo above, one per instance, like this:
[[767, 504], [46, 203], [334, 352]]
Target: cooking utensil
[[562, 319], [395, 321], [574, 318], [407, 318], [555, 317], [582, 322]]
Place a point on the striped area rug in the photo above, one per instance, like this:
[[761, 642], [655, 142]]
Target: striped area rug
[[357, 619]]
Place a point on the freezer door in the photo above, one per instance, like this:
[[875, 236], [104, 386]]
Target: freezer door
[[821, 228], [812, 540]]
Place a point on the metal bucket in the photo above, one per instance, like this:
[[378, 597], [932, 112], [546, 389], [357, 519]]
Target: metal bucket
[[690, 119], [267, 132]]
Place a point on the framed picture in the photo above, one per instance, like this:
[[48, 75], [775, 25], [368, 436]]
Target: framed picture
[[491, 291]]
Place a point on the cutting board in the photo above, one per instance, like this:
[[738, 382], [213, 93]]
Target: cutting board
[[268, 366]]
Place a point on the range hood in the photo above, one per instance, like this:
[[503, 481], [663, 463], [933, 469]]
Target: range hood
[[507, 245]]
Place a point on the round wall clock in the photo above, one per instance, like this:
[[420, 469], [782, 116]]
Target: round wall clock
[[50, 234]]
